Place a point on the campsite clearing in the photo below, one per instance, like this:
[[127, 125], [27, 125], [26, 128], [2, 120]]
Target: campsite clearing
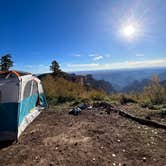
[[91, 138]]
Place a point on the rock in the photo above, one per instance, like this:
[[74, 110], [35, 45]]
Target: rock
[[76, 144], [144, 159], [113, 155]]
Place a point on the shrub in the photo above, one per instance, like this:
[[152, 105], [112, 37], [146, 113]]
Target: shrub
[[124, 99], [96, 95], [59, 90], [155, 93]]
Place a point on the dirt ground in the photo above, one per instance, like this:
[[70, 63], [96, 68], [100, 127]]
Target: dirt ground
[[91, 138]]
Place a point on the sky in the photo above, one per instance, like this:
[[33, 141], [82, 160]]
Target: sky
[[83, 34]]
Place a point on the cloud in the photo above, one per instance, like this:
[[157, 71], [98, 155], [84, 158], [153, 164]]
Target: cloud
[[99, 57], [76, 55], [91, 65], [92, 55], [118, 65], [140, 55]]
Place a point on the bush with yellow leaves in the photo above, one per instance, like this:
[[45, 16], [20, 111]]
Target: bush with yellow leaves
[[60, 90]]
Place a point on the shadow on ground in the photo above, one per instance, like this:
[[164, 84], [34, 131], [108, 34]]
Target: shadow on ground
[[4, 144]]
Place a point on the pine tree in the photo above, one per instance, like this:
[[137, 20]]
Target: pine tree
[[55, 68], [6, 62]]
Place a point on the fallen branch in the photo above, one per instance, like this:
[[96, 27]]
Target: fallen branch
[[141, 120], [109, 108]]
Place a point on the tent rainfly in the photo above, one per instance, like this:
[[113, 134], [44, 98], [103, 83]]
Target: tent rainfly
[[21, 101]]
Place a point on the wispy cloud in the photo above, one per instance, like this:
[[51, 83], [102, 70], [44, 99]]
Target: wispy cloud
[[92, 55], [99, 57], [76, 55], [91, 65], [140, 55], [96, 57], [118, 65]]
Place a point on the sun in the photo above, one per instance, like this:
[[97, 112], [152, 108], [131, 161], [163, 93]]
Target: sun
[[129, 31]]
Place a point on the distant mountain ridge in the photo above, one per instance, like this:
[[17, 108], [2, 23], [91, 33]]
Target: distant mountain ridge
[[137, 86], [122, 79], [116, 80]]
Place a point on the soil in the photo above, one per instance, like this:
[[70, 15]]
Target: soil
[[94, 137]]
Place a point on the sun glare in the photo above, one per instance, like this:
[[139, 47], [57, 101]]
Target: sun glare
[[129, 31]]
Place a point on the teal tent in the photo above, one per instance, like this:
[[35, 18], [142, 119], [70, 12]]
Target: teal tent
[[21, 101]]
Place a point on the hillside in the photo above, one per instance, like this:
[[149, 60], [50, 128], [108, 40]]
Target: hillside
[[64, 88], [86, 81], [137, 86], [92, 138]]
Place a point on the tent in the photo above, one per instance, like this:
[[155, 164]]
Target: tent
[[21, 101]]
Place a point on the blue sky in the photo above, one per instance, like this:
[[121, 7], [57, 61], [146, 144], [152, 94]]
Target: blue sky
[[83, 34]]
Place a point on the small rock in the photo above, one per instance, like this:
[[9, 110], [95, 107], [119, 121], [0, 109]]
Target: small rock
[[102, 147], [118, 140], [123, 150], [90, 107], [76, 144], [51, 164], [113, 155], [144, 159], [36, 158], [113, 164], [93, 159]]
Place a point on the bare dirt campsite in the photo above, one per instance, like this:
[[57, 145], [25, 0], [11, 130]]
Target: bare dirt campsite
[[94, 137]]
